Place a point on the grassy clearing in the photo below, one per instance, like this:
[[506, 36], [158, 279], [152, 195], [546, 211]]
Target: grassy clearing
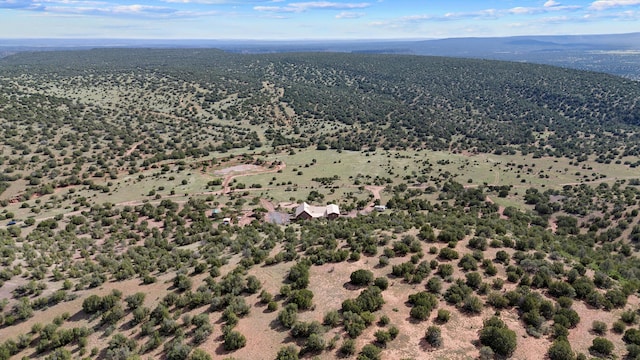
[[352, 170]]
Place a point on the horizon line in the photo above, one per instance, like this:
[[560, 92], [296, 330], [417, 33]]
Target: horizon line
[[304, 39]]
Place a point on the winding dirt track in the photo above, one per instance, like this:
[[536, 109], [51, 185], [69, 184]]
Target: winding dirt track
[[375, 190], [132, 148]]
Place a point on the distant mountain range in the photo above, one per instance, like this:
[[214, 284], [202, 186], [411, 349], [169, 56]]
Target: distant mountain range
[[617, 54]]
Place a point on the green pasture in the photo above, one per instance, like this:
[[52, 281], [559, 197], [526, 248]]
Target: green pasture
[[353, 170]]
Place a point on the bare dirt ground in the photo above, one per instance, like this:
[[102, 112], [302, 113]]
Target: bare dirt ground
[[273, 215], [132, 148], [287, 205], [375, 190], [500, 208], [581, 336], [244, 170], [237, 169], [267, 205], [552, 224], [246, 218]]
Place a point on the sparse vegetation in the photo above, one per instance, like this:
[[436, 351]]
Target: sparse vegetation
[[118, 167]]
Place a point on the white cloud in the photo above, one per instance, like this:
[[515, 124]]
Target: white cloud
[[524, 10], [349, 15], [219, 2], [491, 14], [73, 2], [267, 8], [606, 4], [329, 5], [115, 10], [628, 15], [311, 5], [19, 4], [206, 2], [106, 8], [556, 20]]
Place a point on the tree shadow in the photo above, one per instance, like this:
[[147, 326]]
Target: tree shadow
[[266, 310], [414, 321], [221, 351], [290, 340], [276, 326], [349, 286], [127, 325], [425, 346], [79, 316]]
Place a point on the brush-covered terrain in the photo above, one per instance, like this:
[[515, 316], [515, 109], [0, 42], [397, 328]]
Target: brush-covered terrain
[[511, 227]]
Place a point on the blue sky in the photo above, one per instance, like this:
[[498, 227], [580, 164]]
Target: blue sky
[[299, 19]]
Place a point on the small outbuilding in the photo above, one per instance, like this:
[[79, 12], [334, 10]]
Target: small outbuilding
[[380, 208], [332, 212]]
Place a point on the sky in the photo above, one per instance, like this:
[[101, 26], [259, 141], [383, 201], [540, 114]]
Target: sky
[[306, 20]]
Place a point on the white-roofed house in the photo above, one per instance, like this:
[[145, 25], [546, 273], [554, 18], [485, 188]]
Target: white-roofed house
[[305, 211]]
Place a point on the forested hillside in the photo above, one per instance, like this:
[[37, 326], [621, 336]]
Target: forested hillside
[[396, 101]]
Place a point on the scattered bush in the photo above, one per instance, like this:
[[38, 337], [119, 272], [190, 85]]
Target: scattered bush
[[619, 326], [315, 343], [348, 347], [370, 352], [472, 304], [498, 337], [332, 318], [234, 340], [633, 351], [199, 354], [361, 277], [448, 254], [599, 327], [382, 337], [561, 350], [628, 316], [601, 346], [381, 282], [288, 316], [433, 336], [443, 316], [632, 336], [289, 352], [302, 298], [434, 285]]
